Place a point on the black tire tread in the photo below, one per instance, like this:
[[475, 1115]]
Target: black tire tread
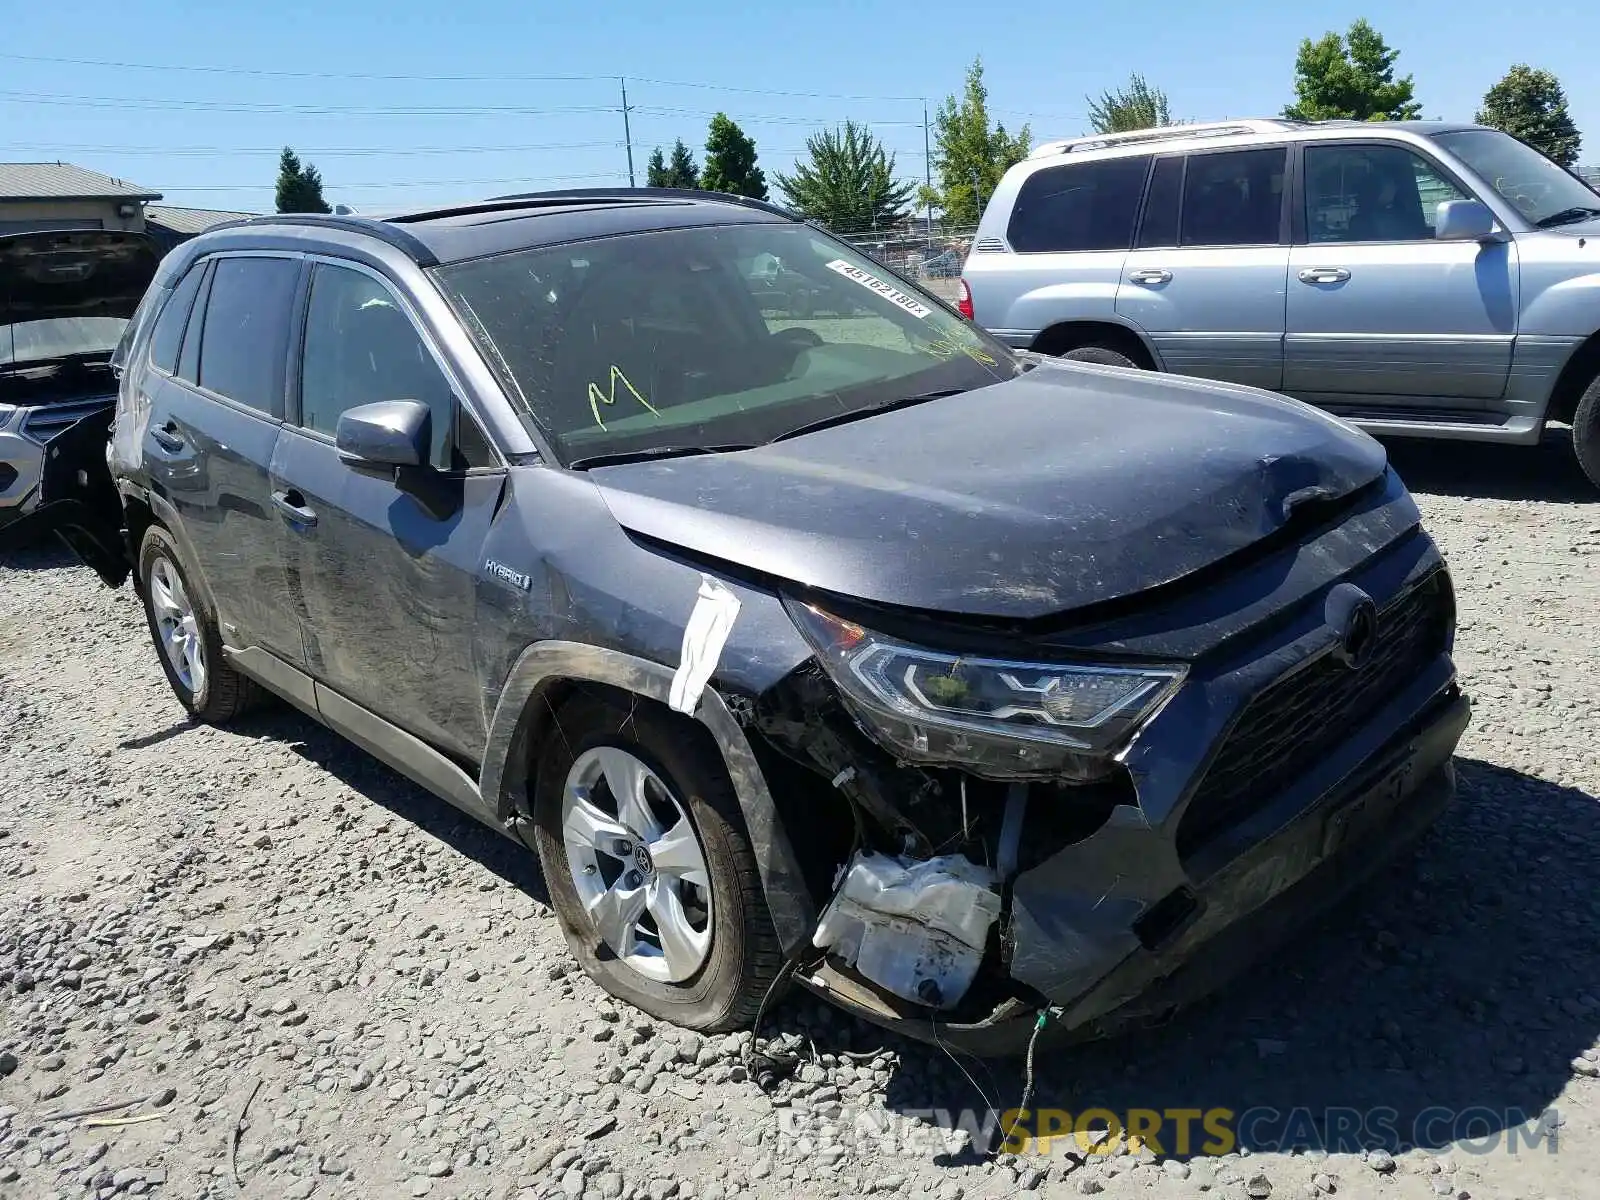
[[762, 954], [228, 694], [1096, 352], [1586, 431]]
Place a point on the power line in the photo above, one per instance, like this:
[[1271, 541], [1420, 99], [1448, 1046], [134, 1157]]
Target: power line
[[211, 69], [409, 183], [303, 151]]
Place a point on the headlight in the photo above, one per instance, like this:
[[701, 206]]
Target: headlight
[[993, 716]]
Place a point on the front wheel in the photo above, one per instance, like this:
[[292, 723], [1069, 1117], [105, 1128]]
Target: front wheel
[[649, 867], [1586, 432]]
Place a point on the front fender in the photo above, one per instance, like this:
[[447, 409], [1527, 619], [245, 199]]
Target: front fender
[[519, 719]]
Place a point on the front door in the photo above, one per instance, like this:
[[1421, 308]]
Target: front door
[[382, 570], [1205, 281], [1380, 312]]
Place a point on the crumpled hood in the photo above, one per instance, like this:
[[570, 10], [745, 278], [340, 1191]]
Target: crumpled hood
[[74, 273], [1061, 488]]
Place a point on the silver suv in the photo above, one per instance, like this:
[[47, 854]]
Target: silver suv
[[1415, 278]]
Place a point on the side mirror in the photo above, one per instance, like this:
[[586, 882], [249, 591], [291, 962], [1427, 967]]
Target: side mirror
[[1463, 221], [390, 433]]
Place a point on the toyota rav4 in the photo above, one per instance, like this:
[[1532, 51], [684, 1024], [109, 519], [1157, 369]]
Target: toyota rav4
[[967, 688]]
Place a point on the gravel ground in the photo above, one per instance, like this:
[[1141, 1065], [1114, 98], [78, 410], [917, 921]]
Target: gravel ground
[[282, 971]]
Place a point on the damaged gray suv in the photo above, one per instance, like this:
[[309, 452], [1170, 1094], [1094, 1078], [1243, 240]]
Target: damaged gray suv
[[968, 689]]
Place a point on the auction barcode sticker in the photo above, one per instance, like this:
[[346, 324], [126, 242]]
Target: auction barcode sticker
[[890, 293]]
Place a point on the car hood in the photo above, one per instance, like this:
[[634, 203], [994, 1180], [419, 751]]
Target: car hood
[[74, 273], [1064, 487]]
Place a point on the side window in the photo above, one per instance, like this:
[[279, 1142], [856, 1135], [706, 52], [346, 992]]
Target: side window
[[1160, 225], [189, 356], [1372, 194], [1234, 198], [168, 334], [246, 336], [1085, 206], [362, 348]]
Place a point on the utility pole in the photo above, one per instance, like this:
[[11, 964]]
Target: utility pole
[[627, 133], [927, 170]]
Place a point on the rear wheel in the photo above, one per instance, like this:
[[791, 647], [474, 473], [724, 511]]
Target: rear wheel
[[1104, 355], [186, 636], [1586, 432], [649, 867]]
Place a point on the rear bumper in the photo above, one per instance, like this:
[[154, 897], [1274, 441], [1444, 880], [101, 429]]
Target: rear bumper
[[1248, 908]]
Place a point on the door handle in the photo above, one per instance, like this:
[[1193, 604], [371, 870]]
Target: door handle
[[1151, 277], [167, 437], [293, 505], [1324, 275]]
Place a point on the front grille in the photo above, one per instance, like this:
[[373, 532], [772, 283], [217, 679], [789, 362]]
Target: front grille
[[1295, 721], [43, 424]]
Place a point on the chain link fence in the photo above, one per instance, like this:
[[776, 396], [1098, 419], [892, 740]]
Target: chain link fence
[[932, 254]]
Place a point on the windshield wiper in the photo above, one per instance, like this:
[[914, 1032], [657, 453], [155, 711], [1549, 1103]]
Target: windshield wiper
[[871, 410], [649, 453], [1568, 216]]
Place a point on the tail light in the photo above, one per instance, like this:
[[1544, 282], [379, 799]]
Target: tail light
[[964, 301]]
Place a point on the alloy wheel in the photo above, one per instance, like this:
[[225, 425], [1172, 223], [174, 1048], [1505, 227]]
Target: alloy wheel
[[637, 864], [176, 627]]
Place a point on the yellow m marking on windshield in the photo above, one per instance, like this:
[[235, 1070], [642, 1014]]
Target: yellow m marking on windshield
[[597, 397]]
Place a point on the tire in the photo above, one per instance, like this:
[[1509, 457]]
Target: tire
[[724, 989], [1586, 431], [1105, 356], [214, 693]]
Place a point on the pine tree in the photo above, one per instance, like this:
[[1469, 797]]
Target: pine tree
[[655, 171], [1138, 106], [299, 186], [848, 184], [731, 161]]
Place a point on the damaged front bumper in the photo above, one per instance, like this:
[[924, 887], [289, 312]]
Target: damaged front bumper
[[1274, 782]]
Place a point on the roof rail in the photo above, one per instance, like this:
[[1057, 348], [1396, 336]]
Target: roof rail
[[371, 227], [1163, 133], [635, 195]]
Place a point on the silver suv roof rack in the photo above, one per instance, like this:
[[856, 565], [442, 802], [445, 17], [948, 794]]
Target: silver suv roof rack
[[1164, 133]]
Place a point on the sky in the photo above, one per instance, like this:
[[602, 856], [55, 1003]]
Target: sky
[[413, 103]]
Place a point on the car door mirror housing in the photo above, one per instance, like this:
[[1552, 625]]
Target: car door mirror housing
[[1464, 221], [390, 433]]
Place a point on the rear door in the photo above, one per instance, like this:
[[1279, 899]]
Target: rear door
[[1380, 311], [1070, 229], [215, 414], [385, 568], [1206, 278]]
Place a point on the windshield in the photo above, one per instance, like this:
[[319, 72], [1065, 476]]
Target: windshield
[[35, 341], [710, 336], [1527, 180]]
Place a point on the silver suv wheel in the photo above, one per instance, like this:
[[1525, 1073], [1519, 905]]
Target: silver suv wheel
[[177, 631], [637, 864]]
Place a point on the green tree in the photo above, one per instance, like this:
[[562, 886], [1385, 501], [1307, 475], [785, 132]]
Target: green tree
[[848, 183], [731, 161], [1530, 104], [1137, 106], [299, 187], [679, 172], [969, 154], [655, 170], [1350, 78]]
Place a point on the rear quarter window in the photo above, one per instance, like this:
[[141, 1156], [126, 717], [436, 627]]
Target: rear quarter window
[[1085, 206], [167, 338]]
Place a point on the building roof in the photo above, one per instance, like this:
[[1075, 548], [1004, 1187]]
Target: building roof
[[189, 220], [63, 181]]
